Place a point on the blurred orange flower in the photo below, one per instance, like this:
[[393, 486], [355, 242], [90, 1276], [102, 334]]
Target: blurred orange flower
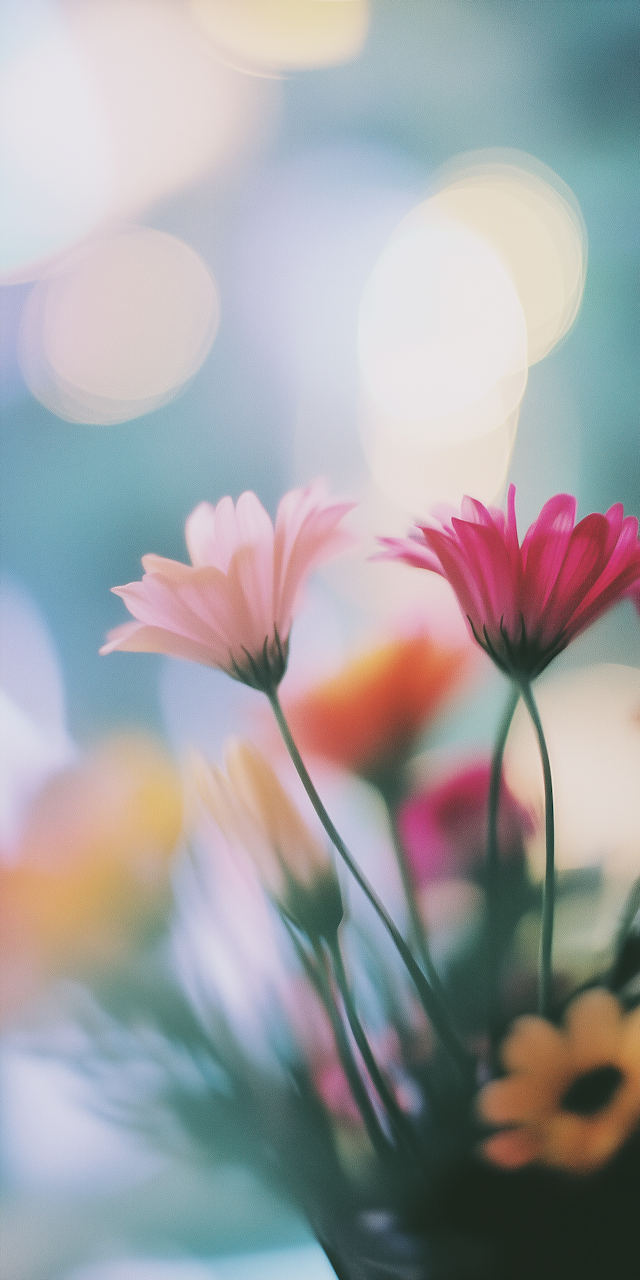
[[368, 717], [92, 878], [572, 1095]]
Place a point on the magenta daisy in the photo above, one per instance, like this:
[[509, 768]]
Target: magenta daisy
[[525, 603], [233, 606]]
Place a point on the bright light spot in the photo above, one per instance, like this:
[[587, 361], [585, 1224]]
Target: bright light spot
[[479, 281], [174, 110], [382, 589], [108, 107], [440, 327], [54, 1136], [272, 35], [56, 163], [591, 720], [34, 742], [118, 328], [443, 359], [533, 222], [418, 474]]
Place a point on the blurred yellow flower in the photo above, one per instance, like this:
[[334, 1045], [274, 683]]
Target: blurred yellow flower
[[92, 875], [572, 1093], [253, 810]]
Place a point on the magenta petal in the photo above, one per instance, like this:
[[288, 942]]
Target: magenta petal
[[526, 603], [412, 552]]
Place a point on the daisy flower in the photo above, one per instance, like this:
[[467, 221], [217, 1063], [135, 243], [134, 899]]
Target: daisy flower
[[233, 606], [525, 603], [572, 1095], [254, 812]]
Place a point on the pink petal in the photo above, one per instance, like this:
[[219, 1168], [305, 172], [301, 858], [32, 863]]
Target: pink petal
[[157, 602], [617, 578], [474, 512], [543, 552], [489, 565], [511, 1149], [171, 570], [135, 638], [250, 599], [456, 569], [200, 536], [306, 534], [411, 552], [615, 521], [253, 523], [580, 569]]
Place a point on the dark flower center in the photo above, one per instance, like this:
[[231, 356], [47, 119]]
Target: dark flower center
[[592, 1091]]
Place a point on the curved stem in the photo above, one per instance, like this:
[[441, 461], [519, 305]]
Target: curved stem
[[492, 861], [431, 1002], [349, 1065], [418, 933], [321, 982], [548, 897], [397, 1118]]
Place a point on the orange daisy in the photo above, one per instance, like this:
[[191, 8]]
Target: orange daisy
[[368, 717], [572, 1096]]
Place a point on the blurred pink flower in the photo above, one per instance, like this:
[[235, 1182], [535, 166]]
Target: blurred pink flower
[[444, 830], [524, 604], [233, 606]]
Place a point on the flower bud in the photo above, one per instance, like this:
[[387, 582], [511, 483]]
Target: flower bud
[[253, 810]]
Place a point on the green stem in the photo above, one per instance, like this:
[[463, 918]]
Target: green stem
[[548, 897], [431, 1002], [321, 982], [349, 1065], [398, 1120], [492, 863], [417, 929]]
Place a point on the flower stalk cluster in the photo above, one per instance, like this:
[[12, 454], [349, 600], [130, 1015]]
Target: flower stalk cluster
[[233, 608]]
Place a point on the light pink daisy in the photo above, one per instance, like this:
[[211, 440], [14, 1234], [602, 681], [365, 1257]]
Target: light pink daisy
[[525, 603], [233, 606]]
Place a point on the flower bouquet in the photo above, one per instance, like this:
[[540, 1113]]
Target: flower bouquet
[[436, 1115]]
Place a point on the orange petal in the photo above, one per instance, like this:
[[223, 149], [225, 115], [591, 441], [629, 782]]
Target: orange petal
[[518, 1098], [594, 1025], [534, 1045]]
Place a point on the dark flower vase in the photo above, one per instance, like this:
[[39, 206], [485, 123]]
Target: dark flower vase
[[492, 1225], [377, 1247]]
